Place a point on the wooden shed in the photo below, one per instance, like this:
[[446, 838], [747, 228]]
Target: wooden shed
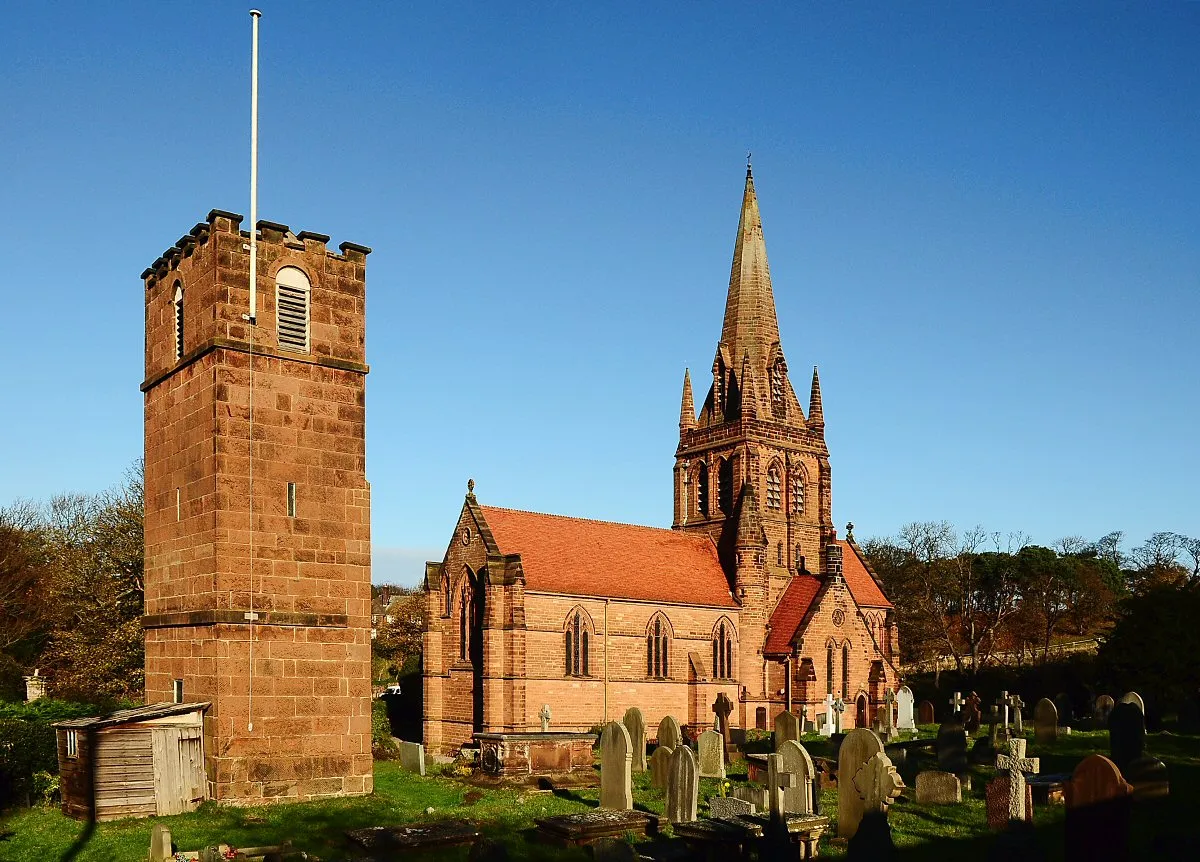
[[133, 762]]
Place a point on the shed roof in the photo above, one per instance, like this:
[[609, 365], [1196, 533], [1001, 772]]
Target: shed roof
[[137, 713]]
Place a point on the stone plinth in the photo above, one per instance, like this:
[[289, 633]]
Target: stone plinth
[[535, 753]]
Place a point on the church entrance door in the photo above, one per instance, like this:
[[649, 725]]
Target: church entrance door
[[860, 712]]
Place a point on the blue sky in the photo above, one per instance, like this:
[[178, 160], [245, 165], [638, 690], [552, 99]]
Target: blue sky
[[982, 223]]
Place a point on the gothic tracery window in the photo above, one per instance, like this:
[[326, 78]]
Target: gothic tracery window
[[577, 642], [722, 649], [774, 487], [657, 649]]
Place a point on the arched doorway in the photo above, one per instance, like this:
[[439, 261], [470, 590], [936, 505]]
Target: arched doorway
[[860, 712]]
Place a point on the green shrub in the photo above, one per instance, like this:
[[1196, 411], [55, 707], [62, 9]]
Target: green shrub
[[383, 747], [45, 787]]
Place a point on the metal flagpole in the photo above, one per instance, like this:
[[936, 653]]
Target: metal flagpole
[[251, 319]]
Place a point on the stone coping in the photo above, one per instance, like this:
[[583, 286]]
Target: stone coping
[[533, 736], [225, 616]]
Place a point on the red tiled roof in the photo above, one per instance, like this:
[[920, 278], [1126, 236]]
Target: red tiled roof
[[862, 586], [599, 558], [798, 598], [789, 613]]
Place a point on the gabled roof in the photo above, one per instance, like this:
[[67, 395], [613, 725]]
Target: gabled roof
[[579, 557], [790, 612], [797, 599], [137, 713]]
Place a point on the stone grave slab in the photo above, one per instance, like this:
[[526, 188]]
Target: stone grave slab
[[787, 726], [754, 795], [938, 788], [682, 786], [1048, 788], [952, 747], [636, 725], [905, 719], [1098, 809], [669, 734], [711, 746], [412, 757], [926, 714], [616, 755], [660, 767], [590, 826], [418, 836], [859, 746], [1045, 722], [729, 807]]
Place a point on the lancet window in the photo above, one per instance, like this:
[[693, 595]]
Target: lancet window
[[774, 487], [722, 649], [658, 647], [578, 638]]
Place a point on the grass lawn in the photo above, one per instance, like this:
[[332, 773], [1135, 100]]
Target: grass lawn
[[941, 833]]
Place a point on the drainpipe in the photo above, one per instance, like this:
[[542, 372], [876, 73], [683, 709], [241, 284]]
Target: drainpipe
[[606, 661], [787, 682]]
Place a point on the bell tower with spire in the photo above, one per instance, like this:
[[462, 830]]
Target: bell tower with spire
[[751, 469]]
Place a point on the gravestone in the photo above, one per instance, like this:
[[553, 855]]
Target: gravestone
[[938, 788], [616, 756], [682, 787], [35, 686], [160, 844], [971, 715], [412, 757], [544, 715], [660, 767], [887, 724], [787, 727], [1103, 708], [636, 726], [729, 807], [803, 797], [904, 709], [1016, 705], [669, 734], [712, 754], [998, 802], [838, 707], [779, 782], [1135, 698], [952, 748], [1127, 744], [1017, 764], [1045, 722], [1066, 710], [721, 708], [875, 785], [1098, 807], [926, 714], [755, 794], [859, 746]]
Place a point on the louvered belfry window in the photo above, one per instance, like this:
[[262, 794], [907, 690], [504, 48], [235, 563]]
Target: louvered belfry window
[[292, 296]]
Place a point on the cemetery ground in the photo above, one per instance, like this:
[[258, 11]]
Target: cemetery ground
[[504, 814]]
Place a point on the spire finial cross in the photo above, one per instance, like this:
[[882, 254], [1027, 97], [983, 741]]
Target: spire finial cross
[[748, 158]]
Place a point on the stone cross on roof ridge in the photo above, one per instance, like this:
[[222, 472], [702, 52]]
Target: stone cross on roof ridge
[[1017, 764]]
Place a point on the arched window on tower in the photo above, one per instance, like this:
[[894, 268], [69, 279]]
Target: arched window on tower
[[796, 491], [725, 484], [774, 487], [292, 292], [658, 647], [577, 639], [177, 308], [702, 490]]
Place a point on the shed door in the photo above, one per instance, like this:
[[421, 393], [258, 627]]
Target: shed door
[[124, 769], [179, 781]]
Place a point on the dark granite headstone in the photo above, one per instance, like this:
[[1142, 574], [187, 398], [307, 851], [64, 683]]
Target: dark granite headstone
[[926, 713], [1126, 734], [952, 747], [1066, 711]]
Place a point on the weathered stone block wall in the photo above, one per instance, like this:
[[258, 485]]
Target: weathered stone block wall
[[304, 679]]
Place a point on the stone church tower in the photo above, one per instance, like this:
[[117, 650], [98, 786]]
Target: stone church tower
[[257, 511], [751, 433]]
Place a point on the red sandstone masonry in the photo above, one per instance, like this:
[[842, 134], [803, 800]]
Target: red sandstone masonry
[[311, 702]]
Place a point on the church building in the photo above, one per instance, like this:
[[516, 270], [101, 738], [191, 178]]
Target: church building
[[750, 592]]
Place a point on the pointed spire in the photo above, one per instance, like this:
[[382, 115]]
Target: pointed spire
[[750, 324], [749, 392], [816, 416], [687, 410]]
